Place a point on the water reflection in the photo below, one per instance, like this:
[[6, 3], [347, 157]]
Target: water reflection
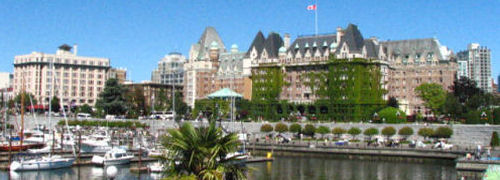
[[312, 168]]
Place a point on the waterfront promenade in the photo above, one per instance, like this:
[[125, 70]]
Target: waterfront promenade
[[463, 135]]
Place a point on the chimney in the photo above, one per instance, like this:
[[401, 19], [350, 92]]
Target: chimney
[[287, 40], [340, 33], [75, 49]]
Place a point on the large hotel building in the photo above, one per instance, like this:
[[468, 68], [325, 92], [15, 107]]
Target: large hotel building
[[75, 80], [404, 64]]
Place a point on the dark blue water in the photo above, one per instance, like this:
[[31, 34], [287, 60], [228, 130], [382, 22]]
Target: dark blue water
[[283, 168]]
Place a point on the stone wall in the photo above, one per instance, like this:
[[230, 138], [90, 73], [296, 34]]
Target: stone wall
[[466, 135]]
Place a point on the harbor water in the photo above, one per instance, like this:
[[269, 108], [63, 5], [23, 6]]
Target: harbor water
[[282, 168]]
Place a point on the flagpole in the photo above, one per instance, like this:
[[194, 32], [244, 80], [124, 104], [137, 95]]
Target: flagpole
[[316, 18]]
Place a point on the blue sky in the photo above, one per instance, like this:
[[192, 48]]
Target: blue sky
[[137, 34]]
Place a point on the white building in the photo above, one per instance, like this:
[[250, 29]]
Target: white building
[[170, 70], [73, 79], [5, 80], [478, 60]]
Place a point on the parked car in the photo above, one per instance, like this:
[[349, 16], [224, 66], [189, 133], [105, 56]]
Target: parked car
[[83, 116]]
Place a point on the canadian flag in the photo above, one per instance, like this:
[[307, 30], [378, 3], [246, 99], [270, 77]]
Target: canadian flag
[[311, 7]]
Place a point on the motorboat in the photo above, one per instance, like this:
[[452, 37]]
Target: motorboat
[[114, 156], [42, 163], [96, 143], [156, 167]]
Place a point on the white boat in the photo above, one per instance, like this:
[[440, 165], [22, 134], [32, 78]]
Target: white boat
[[96, 144], [237, 155], [156, 167], [46, 162], [115, 156], [46, 149]]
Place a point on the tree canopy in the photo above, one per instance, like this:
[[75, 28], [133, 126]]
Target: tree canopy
[[432, 94], [112, 99]]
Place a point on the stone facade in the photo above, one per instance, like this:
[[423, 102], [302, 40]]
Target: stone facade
[[75, 80], [309, 54], [414, 62], [152, 90], [211, 67], [118, 73]]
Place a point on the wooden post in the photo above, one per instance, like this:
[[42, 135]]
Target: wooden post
[[112, 137], [62, 139], [79, 146], [53, 141], [10, 147]]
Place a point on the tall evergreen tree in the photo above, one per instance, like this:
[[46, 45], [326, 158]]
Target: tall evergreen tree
[[112, 99], [55, 104], [393, 102], [464, 88]]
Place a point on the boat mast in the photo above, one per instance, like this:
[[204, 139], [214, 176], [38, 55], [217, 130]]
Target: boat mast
[[22, 112]]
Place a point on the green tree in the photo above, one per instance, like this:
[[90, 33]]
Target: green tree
[[405, 132], [479, 102], [27, 97], [443, 132], [296, 128], [464, 88], [322, 130], [137, 101], [280, 128], [354, 131], [452, 106], [495, 141], [388, 131], [426, 132], [370, 132], [266, 128], [112, 99], [201, 152], [181, 108], [473, 117], [309, 130], [338, 131], [393, 102], [55, 104], [85, 108], [390, 114], [433, 96], [496, 116]]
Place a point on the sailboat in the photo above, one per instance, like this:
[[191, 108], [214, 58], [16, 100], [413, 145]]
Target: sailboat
[[44, 162]]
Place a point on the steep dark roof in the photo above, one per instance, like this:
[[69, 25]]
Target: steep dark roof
[[371, 48], [65, 47], [412, 47], [300, 43], [273, 44], [258, 43], [353, 38], [209, 35]]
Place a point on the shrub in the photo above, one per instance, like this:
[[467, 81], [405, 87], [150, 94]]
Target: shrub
[[338, 131], [370, 132], [266, 128], [405, 131], [354, 131], [443, 132], [280, 128], [495, 141], [496, 116], [388, 131], [323, 130], [425, 132], [309, 130], [295, 128], [389, 114], [473, 117]]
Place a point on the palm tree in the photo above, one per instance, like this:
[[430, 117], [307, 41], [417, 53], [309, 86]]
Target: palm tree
[[201, 152]]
